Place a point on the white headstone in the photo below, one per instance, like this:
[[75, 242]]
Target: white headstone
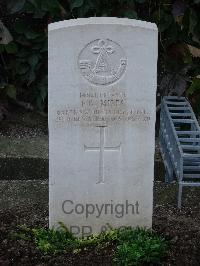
[[102, 98]]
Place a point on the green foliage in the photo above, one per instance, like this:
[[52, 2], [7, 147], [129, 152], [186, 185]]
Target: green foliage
[[194, 94], [131, 246], [54, 241], [194, 87], [48, 241], [25, 59], [23, 62], [138, 247]]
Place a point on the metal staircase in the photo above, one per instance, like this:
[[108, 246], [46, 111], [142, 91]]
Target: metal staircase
[[180, 142]]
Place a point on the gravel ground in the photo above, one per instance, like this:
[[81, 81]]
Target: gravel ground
[[26, 202], [21, 123]]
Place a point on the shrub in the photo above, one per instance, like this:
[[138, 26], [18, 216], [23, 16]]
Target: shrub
[[131, 246], [138, 247]]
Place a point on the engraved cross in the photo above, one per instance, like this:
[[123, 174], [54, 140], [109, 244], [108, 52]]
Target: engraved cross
[[101, 149]]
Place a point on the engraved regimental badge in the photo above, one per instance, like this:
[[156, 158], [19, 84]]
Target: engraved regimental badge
[[102, 62]]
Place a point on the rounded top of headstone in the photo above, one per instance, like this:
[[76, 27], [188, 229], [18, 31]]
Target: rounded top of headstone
[[102, 21]]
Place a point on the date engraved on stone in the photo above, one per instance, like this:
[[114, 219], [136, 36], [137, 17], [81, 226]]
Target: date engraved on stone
[[102, 62]]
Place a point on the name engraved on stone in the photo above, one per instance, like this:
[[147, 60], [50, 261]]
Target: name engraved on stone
[[101, 149], [102, 62]]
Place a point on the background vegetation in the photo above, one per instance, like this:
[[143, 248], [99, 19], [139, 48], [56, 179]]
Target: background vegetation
[[23, 61]]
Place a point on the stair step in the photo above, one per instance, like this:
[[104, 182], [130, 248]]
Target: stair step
[[186, 155], [189, 139], [183, 120], [175, 98], [176, 103], [190, 147], [178, 108], [191, 175], [191, 167], [181, 114], [188, 132]]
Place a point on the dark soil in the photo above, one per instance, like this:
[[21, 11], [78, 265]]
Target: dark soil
[[180, 227]]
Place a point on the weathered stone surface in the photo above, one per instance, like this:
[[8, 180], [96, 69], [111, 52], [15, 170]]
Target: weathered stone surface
[[102, 93]]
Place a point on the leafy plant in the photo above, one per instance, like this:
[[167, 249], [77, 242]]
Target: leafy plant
[[193, 94], [24, 60], [48, 241], [139, 246], [131, 246]]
